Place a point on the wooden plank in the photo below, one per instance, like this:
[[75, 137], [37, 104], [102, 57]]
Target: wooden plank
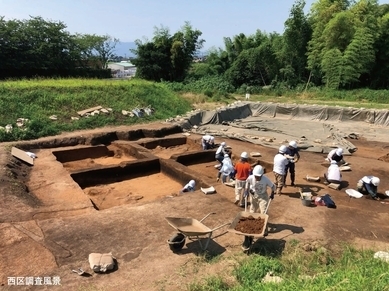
[[17, 153], [83, 112]]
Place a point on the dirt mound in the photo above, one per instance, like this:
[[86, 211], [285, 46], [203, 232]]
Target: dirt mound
[[384, 158], [250, 225]]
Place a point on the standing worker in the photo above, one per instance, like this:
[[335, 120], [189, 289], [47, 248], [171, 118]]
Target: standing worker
[[256, 187], [280, 162], [369, 184], [226, 170], [242, 172], [220, 152], [293, 156]]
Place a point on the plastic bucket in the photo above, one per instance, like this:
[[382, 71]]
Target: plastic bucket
[[307, 201]]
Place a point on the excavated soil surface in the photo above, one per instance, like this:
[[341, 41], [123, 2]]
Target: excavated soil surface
[[250, 225], [49, 225]]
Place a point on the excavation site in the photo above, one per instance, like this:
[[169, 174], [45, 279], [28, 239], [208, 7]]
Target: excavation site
[[118, 191]]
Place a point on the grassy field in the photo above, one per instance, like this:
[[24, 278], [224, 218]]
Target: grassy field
[[346, 269], [37, 100]]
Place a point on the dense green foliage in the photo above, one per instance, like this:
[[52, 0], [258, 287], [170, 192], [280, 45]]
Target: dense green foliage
[[168, 57], [339, 44], [352, 270], [37, 47], [37, 100]]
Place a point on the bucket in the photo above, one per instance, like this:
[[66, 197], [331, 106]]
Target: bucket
[[306, 200]]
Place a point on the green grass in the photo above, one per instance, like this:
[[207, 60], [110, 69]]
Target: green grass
[[366, 98], [346, 269], [37, 100]]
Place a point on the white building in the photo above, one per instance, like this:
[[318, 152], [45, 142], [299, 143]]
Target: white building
[[123, 69]]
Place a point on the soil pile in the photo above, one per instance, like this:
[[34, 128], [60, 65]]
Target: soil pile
[[250, 225], [384, 158]]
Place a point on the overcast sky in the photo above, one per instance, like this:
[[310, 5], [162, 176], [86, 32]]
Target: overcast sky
[[129, 20]]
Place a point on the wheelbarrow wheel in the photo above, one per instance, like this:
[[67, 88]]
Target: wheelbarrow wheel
[[177, 242]]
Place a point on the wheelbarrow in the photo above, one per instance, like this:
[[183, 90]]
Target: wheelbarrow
[[192, 229], [250, 236]]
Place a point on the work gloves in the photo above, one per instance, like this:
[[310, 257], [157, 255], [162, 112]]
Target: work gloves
[[271, 196]]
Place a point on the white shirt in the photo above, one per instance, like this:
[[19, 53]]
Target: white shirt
[[227, 166], [206, 138], [333, 173], [331, 154], [280, 163], [220, 150], [367, 179], [260, 187]]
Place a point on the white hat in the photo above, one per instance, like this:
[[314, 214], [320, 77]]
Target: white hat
[[258, 171], [223, 144], [375, 181], [293, 144], [212, 138], [226, 155], [339, 151], [244, 155], [282, 149], [192, 183]]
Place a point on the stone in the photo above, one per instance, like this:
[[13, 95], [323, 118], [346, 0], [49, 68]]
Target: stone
[[125, 112], [53, 117], [103, 110]]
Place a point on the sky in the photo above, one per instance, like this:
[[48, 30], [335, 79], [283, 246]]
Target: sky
[[128, 20]]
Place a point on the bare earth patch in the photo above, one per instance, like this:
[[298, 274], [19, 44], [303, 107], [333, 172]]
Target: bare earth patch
[[50, 229]]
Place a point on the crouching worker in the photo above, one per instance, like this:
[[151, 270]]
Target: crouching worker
[[207, 142], [336, 155], [190, 187], [369, 185], [333, 174], [256, 186]]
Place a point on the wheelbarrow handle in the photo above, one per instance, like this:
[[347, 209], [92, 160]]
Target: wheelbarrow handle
[[207, 216], [267, 207]]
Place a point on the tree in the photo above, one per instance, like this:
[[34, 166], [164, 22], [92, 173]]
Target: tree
[[167, 57], [321, 13], [296, 35]]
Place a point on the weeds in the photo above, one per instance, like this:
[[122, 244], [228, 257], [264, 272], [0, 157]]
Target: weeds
[[37, 100], [349, 269]]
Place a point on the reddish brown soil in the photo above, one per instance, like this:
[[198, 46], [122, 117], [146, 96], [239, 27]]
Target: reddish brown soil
[[50, 229], [250, 225]]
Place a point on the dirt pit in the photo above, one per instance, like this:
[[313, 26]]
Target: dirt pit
[[250, 225], [55, 231], [142, 189]]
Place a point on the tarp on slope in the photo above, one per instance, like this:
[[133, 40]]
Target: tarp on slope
[[314, 127]]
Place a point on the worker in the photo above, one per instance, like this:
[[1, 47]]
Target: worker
[[256, 186], [242, 172], [369, 185], [336, 155], [220, 152], [293, 156], [190, 187], [333, 174], [226, 170], [207, 142], [279, 166]]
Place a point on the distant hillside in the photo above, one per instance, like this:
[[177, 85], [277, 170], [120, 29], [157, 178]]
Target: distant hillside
[[123, 49]]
